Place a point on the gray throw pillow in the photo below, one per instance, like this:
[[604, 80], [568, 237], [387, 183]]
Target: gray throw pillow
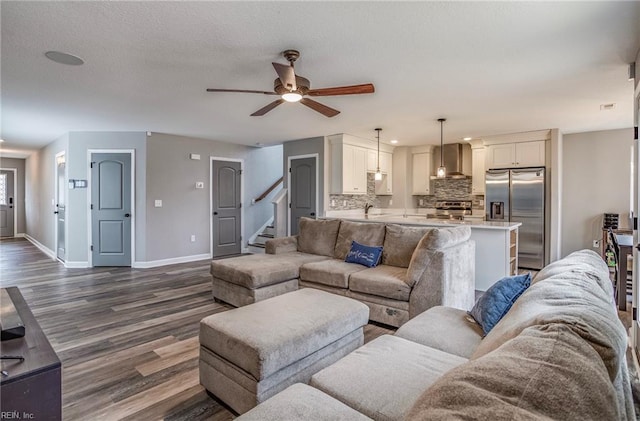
[[318, 236], [399, 244], [367, 233]]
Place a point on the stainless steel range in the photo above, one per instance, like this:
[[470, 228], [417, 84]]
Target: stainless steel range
[[451, 209]]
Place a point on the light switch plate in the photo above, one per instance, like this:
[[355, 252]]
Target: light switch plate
[[199, 184], [194, 156], [158, 203]]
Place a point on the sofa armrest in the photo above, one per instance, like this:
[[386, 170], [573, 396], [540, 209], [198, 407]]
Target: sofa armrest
[[448, 279], [282, 245]]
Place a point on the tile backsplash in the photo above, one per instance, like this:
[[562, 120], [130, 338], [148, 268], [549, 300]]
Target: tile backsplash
[[357, 201], [450, 189]]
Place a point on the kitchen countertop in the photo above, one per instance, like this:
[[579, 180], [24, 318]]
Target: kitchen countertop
[[417, 219]]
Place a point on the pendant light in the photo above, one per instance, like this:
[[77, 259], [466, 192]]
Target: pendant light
[[378, 175], [441, 172]]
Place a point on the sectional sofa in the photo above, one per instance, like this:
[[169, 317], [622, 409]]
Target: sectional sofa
[[420, 268], [558, 353]]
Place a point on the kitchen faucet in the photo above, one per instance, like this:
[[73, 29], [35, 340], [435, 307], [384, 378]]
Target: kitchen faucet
[[367, 206]]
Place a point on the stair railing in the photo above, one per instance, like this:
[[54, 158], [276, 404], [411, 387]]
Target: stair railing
[[269, 190], [280, 213]]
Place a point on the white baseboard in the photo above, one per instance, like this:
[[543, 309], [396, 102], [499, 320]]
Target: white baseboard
[[172, 261], [20, 235], [76, 265], [41, 246]]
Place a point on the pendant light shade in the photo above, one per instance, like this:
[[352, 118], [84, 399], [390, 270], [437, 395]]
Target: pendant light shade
[[378, 175], [441, 172]]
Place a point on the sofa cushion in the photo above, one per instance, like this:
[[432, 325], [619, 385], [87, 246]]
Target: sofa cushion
[[498, 299], [318, 236], [368, 256], [547, 372], [399, 243], [573, 298], [385, 377], [369, 234], [330, 272], [260, 270], [384, 281], [302, 402], [445, 328]]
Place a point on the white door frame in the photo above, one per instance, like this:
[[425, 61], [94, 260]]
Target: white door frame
[[131, 152], [15, 199], [56, 187], [289, 159], [635, 292], [242, 207]]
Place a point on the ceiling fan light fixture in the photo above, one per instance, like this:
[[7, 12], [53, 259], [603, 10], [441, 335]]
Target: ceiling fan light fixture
[[441, 172], [292, 97]]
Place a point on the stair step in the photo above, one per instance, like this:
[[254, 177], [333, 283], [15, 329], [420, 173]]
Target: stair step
[[261, 246], [266, 235]]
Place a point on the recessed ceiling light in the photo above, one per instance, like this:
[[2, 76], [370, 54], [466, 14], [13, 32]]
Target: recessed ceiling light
[[607, 107], [394, 141], [64, 58], [1, 140], [466, 138]]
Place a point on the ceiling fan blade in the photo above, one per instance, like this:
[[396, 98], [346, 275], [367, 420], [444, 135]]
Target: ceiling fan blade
[[322, 109], [241, 90], [266, 109], [287, 76], [366, 88]]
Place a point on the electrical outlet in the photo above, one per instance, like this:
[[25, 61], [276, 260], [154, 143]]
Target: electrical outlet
[[333, 203], [421, 202], [193, 238], [390, 202], [344, 203], [596, 243]]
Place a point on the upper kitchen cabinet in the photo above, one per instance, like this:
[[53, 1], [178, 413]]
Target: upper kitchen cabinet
[[478, 168], [515, 154], [351, 158], [421, 171]]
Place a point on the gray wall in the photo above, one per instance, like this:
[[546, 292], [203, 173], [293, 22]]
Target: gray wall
[[596, 180], [171, 177], [18, 198], [40, 192], [312, 145], [78, 200]]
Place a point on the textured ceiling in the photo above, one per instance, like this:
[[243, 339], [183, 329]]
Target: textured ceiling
[[489, 68]]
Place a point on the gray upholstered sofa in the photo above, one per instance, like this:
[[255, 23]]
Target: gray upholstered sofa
[[559, 353], [420, 268]]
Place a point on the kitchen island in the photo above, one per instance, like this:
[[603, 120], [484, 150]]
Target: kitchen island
[[496, 242]]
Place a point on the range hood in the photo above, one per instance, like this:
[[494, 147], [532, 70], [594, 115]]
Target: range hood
[[456, 158]]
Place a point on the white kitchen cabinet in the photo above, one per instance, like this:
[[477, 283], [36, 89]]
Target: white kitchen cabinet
[[516, 155], [477, 170], [349, 169], [421, 173]]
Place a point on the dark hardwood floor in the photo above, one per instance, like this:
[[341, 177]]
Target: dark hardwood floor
[[127, 338]]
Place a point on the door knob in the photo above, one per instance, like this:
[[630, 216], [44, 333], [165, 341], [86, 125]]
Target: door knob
[[55, 212], [215, 213], [126, 215], [312, 214]]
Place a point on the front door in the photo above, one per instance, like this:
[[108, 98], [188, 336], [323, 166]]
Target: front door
[[226, 208], [6, 204], [60, 206], [302, 185], [111, 209]]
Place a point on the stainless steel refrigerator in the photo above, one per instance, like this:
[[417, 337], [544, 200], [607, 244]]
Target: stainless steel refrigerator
[[517, 195]]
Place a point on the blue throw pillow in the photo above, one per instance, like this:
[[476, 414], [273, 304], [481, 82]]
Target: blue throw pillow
[[368, 256], [498, 299]]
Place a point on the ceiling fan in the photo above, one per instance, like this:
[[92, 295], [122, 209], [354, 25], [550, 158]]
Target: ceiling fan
[[293, 88]]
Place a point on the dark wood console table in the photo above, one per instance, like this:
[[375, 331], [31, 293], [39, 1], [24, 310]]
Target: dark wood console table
[[31, 389]]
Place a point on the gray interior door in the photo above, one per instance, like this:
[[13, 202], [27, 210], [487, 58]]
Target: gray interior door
[[303, 191], [111, 209], [226, 207], [60, 211], [7, 204]]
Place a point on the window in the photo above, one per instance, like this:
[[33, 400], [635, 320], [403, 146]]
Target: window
[[3, 189]]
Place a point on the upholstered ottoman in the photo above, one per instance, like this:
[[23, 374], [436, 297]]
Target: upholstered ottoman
[[250, 353], [247, 279]]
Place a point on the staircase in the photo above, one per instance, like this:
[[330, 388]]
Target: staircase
[[258, 244]]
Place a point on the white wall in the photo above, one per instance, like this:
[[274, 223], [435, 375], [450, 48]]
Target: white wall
[[596, 180]]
